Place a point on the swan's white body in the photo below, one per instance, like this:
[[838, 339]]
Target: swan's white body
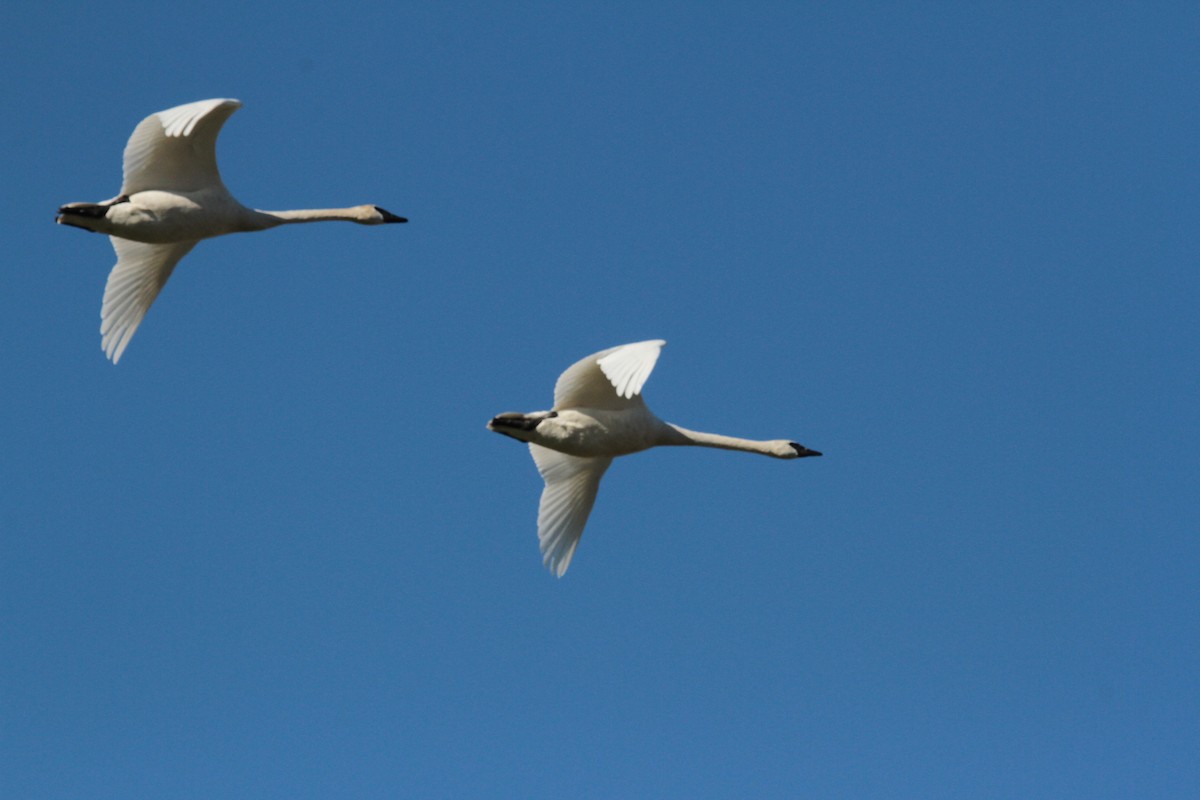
[[599, 414], [171, 198]]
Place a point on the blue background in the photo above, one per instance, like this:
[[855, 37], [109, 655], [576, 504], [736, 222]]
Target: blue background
[[275, 553]]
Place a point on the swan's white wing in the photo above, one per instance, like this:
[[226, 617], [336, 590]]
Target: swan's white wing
[[628, 367], [140, 273], [609, 379], [176, 150], [571, 484]]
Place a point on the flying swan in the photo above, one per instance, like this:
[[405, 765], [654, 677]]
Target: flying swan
[[599, 414], [171, 198]]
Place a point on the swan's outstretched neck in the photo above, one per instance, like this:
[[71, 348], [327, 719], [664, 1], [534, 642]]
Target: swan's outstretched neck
[[776, 448], [363, 215]]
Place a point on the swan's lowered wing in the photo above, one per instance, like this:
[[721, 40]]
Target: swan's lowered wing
[[610, 379], [571, 485], [140, 273], [176, 150]]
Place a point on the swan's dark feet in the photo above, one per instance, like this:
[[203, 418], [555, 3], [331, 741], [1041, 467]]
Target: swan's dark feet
[[513, 421], [89, 210]]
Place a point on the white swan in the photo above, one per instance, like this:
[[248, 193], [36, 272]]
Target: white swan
[[598, 414], [172, 197]]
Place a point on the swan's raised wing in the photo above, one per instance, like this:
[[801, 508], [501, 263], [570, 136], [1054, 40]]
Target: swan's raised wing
[[140, 273], [571, 484], [176, 150], [609, 379]]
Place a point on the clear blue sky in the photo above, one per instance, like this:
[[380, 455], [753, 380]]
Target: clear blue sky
[[275, 553]]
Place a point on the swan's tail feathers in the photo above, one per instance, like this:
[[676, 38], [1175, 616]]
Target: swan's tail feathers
[[139, 275], [571, 486]]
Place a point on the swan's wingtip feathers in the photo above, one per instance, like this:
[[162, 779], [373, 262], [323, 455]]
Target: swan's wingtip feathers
[[609, 378], [114, 345], [117, 328], [627, 367], [559, 548], [557, 561], [182, 120]]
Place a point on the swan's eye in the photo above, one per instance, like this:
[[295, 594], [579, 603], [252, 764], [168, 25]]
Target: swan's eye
[[552, 414]]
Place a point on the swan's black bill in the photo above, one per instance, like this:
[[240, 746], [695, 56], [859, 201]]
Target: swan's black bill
[[802, 451], [389, 216]]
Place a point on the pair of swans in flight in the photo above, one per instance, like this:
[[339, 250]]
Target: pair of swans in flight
[[172, 197]]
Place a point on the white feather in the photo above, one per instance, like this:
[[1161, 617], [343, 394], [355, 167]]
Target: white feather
[[628, 367], [138, 276], [176, 150], [610, 379], [567, 499]]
